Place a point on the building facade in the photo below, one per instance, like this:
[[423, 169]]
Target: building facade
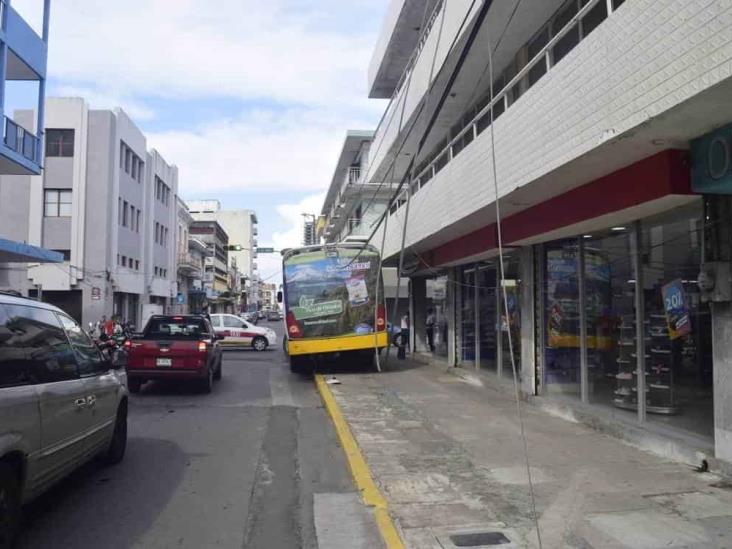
[[241, 228], [93, 205], [23, 60], [216, 276], [609, 132]]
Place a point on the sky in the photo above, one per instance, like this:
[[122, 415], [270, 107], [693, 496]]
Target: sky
[[250, 99]]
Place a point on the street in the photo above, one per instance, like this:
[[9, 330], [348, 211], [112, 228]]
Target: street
[[240, 467]]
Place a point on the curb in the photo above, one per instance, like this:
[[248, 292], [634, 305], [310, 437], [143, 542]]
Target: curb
[[359, 468]]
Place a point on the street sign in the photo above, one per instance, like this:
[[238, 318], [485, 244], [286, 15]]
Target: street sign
[[265, 250], [96, 293]]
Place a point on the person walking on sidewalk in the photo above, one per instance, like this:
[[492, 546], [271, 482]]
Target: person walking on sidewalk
[[430, 328], [404, 338]]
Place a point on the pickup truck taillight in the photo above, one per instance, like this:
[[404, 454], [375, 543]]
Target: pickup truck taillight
[[128, 344], [380, 318], [293, 328], [202, 347]]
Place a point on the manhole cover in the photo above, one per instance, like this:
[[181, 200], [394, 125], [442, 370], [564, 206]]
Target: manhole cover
[[479, 539]]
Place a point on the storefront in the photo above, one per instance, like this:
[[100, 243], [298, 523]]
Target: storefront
[[489, 315], [622, 316]]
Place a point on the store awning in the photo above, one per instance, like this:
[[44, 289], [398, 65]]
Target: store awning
[[19, 252]]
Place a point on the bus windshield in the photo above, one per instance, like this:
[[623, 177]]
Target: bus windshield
[[329, 293]]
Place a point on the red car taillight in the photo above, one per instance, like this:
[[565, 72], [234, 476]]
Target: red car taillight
[[202, 347], [293, 328], [380, 318], [128, 344]]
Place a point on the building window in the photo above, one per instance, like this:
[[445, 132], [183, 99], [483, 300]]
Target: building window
[[124, 213], [59, 142], [124, 261], [134, 168], [128, 160], [569, 40], [137, 225], [57, 203], [157, 232], [132, 217], [122, 149], [137, 264]]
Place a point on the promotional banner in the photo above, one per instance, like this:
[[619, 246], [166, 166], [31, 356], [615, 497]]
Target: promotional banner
[[676, 309]]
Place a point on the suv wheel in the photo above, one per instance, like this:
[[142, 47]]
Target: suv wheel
[[118, 444], [9, 505], [207, 382], [259, 344]]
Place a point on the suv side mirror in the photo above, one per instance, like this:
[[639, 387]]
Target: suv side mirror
[[279, 297]]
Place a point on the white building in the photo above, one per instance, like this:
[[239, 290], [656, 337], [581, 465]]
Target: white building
[[96, 204], [241, 227], [611, 121]]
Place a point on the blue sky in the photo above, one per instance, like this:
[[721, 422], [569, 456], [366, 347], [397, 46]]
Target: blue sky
[[250, 99]]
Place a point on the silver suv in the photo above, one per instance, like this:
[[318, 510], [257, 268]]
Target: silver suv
[[62, 402]]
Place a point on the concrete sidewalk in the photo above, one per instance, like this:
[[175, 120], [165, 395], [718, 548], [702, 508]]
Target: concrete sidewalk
[[447, 454]]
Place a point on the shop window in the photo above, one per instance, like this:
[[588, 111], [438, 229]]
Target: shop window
[[679, 364], [561, 318], [610, 317], [466, 352], [487, 316], [510, 321]]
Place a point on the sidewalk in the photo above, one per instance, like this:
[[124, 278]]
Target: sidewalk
[[447, 455]]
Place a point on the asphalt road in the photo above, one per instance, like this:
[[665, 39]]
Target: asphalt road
[[254, 464]]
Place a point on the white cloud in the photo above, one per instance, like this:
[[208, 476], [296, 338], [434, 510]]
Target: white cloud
[[259, 151], [189, 48], [270, 265]]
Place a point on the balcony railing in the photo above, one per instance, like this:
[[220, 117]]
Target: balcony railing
[[544, 59], [17, 138], [187, 262]]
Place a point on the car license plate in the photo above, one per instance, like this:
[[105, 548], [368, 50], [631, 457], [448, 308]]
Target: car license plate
[[164, 362]]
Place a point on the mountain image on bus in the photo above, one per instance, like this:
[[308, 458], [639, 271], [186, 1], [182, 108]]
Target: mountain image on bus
[[333, 298]]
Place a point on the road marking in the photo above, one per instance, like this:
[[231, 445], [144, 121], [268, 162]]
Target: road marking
[[359, 469]]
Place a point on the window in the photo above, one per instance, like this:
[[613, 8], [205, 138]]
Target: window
[[124, 261], [65, 253], [137, 264], [128, 159], [88, 355], [132, 217], [156, 271], [535, 46], [137, 225], [122, 149], [59, 142], [569, 40], [176, 327], [119, 261], [232, 322], [596, 16], [119, 211], [134, 167], [34, 344], [57, 203], [157, 231], [140, 170], [124, 213], [165, 238]]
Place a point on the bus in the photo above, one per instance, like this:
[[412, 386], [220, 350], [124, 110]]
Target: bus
[[333, 300]]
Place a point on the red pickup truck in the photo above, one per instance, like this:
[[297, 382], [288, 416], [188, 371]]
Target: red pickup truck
[[174, 347]]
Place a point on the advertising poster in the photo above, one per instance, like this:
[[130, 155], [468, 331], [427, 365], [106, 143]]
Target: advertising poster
[[332, 295], [676, 308]]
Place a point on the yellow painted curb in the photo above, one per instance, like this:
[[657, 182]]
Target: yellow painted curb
[[359, 468]]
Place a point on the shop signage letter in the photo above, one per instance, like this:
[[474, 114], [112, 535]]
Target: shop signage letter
[[711, 171]]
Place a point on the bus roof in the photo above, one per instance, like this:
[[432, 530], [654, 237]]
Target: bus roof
[[289, 252]]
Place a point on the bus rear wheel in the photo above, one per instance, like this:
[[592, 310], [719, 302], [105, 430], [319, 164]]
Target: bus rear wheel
[[300, 365]]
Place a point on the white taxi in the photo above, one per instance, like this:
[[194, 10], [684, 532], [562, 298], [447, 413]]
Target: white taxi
[[237, 332]]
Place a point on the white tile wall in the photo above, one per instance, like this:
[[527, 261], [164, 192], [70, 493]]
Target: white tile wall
[[648, 57]]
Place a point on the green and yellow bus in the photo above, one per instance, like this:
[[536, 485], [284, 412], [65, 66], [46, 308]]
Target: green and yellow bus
[[333, 297]]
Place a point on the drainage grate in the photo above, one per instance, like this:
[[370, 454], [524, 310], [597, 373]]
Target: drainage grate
[[479, 539]]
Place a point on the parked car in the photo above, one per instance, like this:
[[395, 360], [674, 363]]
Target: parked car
[[251, 317], [274, 315], [176, 347], [62, 402], [237, 332], [261, 315]]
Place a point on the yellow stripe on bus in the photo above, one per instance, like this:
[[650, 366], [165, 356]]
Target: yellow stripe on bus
[[335, 344]]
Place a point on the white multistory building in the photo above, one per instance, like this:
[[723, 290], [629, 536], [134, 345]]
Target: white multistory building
[[604, 136], [241, 228], [108, 205]]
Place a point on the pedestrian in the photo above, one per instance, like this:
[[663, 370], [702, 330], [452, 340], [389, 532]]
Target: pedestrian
[[430, 329], [404, 337]]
